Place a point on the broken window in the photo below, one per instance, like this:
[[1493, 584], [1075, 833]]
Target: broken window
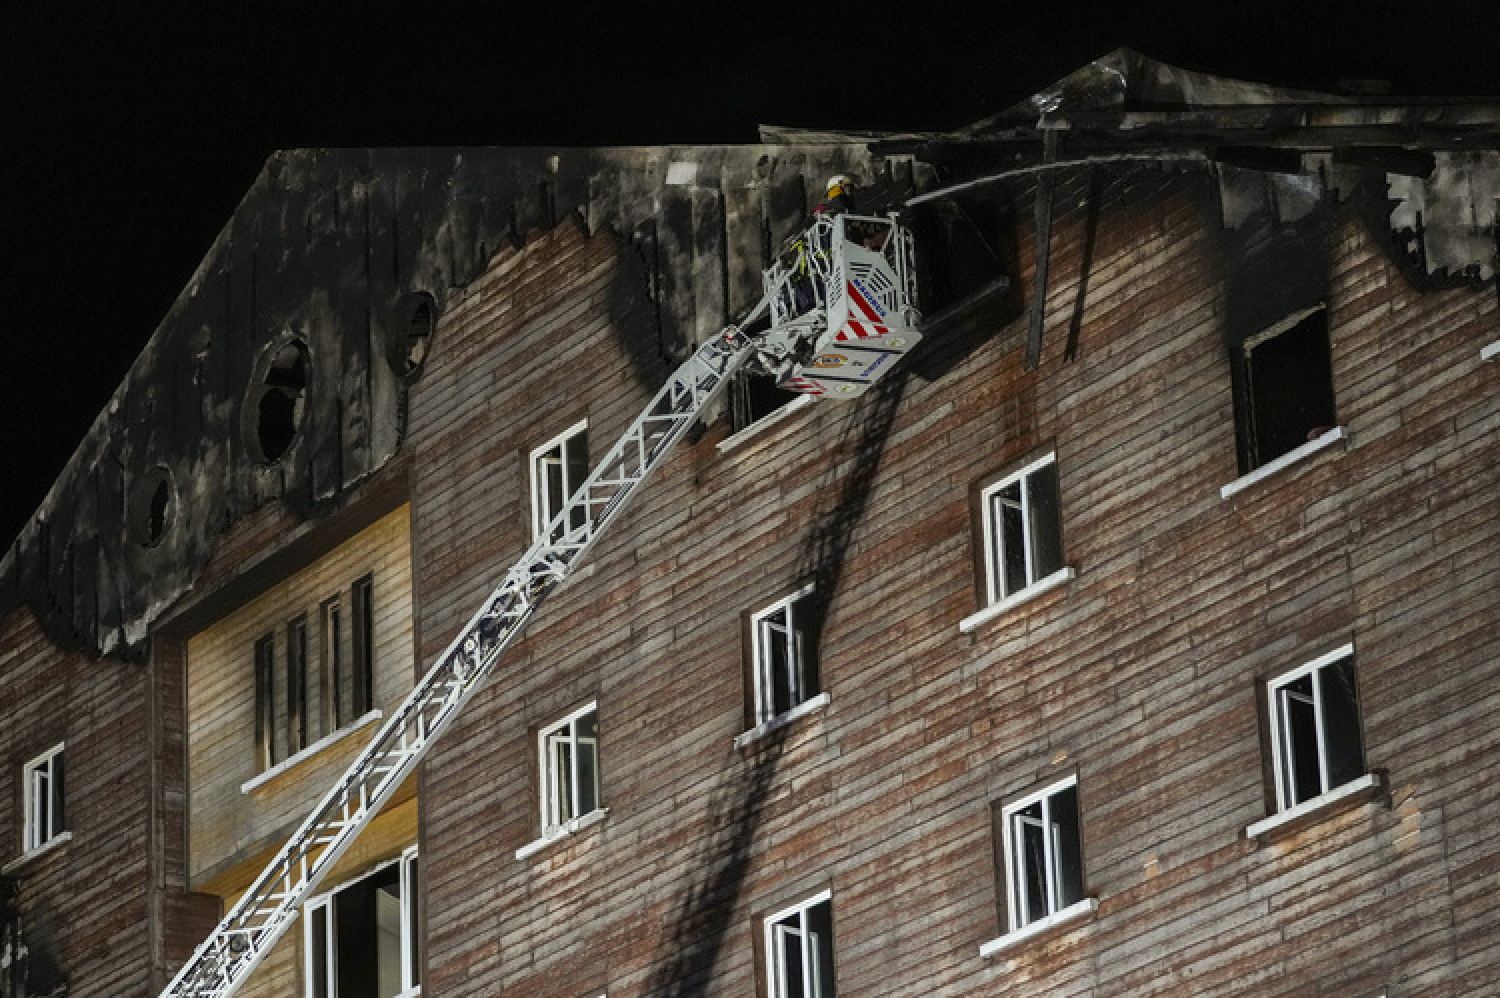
[[1022, 529], [558, 468], [150, 510], [799, 950], [1283, 388], [784, 655], [43, 799], [960, 251], [265, 702], [362, 671], [409, 335], [754, 396], [1042, 847], [570, 768], [296, 685], [362, 940], [1314, 727], [277, 405]]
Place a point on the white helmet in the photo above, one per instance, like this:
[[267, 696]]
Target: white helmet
[[840, 181]]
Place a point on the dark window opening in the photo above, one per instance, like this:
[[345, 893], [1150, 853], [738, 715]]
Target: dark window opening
[[1283, 389], [362, 941], [265, 702], [362, 682], [296, 685], [150, 509], [410, 336], [753, 397], [959, 252], [335, 661], [279, 402]]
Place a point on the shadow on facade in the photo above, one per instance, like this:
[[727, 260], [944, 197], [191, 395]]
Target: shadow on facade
[[26, 970], [695, 935]]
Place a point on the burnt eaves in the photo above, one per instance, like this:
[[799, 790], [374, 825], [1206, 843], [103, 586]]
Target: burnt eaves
[[279, 375]]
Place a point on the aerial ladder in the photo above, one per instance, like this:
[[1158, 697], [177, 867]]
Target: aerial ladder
[[839, 307]]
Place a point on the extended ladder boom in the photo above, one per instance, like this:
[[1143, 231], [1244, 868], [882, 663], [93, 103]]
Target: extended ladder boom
[[224, 960]]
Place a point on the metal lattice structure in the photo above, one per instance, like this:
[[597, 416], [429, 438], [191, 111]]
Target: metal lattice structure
[[264, 913]]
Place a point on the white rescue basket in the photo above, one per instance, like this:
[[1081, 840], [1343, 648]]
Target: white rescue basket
[[855, 275]]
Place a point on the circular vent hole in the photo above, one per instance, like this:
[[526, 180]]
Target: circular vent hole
[[279, 403], [153, 507]]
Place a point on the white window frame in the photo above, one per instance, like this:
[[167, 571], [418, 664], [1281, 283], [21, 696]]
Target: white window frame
[[996, 600], [551, 812], [776, 983], [409, 968], [1281, 732], [541, 497], [763, 631], [42, 824], [1015, 862], [994, 566]]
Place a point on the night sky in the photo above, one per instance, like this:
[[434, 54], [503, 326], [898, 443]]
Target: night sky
[[131, 129]]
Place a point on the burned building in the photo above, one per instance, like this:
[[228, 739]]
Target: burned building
[[1136, 635]]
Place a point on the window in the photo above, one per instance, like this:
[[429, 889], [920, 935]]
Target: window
[[335, 661], [570, 768], [265, 702], [784, 655], [799, 950], [362, 678], [1283, 388], [754, 396], [558, 468], [43, 799], [1042, 846], [1314, 728], [274, 411], [362, 940], [1022, 530], [296, 685]]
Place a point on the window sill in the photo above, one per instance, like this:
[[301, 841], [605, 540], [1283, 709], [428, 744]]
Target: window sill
[[1317, 806], [55, 842], [780, 721], [1057, 578], [1490, 351], [563, 831], [1067, 916], [1291, 457], [327, 741], [764, 423]]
